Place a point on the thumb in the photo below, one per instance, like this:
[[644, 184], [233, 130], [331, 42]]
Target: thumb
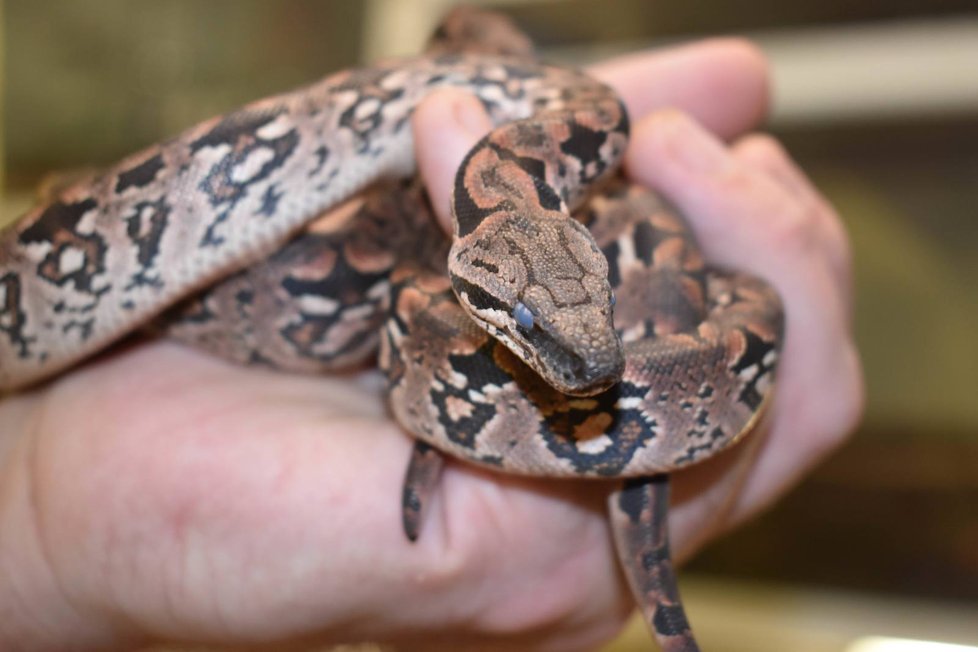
[[446, 125]]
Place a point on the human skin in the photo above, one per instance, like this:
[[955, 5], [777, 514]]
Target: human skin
[[156, 494]]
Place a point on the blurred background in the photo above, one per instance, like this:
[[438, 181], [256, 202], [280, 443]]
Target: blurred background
[[879, 103]]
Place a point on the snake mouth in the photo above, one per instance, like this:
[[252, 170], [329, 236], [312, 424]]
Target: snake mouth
[[585, 380], [570, 372]]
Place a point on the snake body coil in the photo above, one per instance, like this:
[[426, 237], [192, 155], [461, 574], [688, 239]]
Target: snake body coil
[[597, 345]]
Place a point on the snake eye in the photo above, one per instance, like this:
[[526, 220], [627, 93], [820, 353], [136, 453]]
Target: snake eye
[[523, 315], [613, 300]]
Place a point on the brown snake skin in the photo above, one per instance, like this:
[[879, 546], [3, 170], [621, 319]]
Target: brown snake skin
[[594, 346]]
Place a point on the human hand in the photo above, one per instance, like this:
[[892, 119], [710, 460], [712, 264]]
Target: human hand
[[157, 494]]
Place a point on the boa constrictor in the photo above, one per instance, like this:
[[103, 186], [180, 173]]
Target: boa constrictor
[[597, 345]]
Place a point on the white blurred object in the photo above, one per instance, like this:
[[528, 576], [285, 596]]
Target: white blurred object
[[884, 644], [398, 28], [843, 73], [874, 71]]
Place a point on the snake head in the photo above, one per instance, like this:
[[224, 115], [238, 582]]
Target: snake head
[[540, 287]]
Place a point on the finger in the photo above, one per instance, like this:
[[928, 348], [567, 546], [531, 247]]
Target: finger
[[723, 83], [737, 211], [747, 220], [692, 77], [809, 419], [202, 468], [446, 126], [768, 155]]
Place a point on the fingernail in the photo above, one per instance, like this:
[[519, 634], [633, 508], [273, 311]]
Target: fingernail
[[691, 145], [470, 116]]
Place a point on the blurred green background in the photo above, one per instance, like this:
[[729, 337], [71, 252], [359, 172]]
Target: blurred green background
[[877, 101]]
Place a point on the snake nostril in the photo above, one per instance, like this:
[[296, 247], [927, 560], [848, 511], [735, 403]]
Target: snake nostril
[[579, 369], [574, 370]]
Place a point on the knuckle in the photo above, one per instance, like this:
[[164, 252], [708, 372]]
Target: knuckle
[[663, 130], [747, 55], [746, 48], [794, 228], [762, 147]]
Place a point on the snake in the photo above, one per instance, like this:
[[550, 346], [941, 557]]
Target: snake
[[569, 328]]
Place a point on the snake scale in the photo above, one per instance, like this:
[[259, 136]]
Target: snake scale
[[574, 330]]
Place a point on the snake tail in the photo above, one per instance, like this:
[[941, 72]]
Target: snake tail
[[420, 482], [639, 523]]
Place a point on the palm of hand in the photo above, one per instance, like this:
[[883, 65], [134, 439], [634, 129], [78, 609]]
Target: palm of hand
[[204, 485]]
